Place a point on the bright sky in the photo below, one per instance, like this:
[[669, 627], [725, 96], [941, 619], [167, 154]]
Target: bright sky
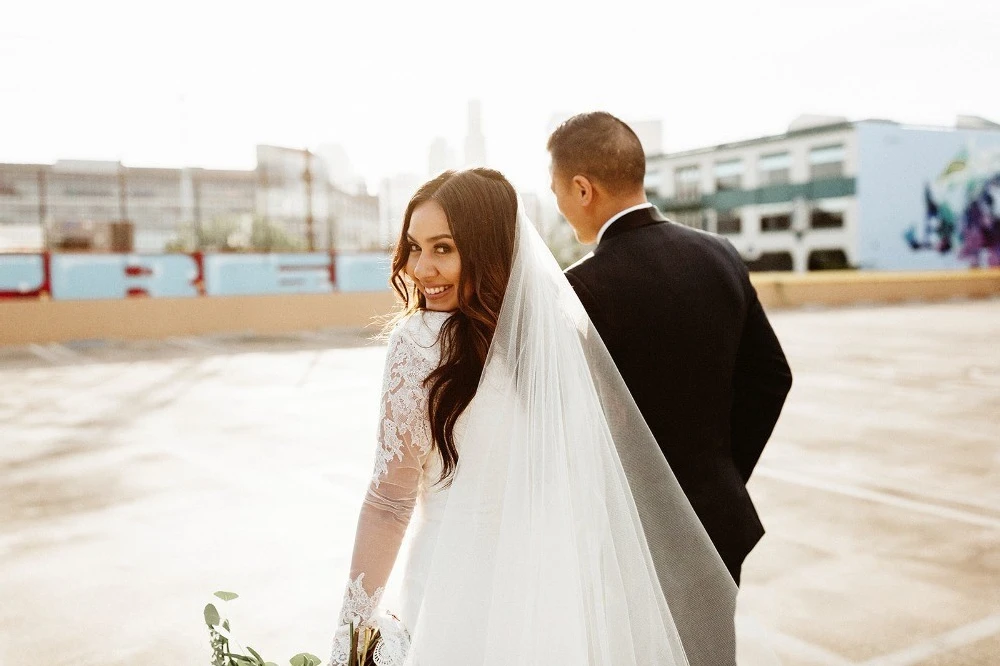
[[200, 82]]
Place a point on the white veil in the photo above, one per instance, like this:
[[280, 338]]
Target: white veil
[[566, 538]]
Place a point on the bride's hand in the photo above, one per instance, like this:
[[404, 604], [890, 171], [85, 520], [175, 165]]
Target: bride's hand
[[341, 646]]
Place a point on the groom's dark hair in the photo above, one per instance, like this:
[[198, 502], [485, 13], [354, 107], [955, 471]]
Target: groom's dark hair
[[602, 148]]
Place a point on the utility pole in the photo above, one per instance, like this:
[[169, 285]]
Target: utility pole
[[199, 231], [122, 194], [307, 177], [43, 196]]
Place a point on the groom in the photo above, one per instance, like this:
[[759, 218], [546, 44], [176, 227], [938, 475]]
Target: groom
[[682, 322]]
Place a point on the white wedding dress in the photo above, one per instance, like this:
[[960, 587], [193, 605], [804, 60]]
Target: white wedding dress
[[563, 536], [404, 496]]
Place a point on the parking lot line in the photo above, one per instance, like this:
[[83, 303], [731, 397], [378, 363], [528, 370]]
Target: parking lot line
[[878, 497], [940, 644]]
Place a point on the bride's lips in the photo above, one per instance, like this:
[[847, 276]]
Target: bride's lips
[[439, 292]]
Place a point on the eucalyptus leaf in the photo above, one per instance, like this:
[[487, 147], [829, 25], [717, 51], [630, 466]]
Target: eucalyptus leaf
[[225, 625], [227, 596], [305, 659], [212, 615], [260, 660]]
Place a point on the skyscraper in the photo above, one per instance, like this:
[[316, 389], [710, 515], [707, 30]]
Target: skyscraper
[[440, 157], [475, 142]]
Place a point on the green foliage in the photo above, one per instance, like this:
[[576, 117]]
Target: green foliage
[[217, 235], [266, 236], [234, 234], [562, 242], [220, 639]]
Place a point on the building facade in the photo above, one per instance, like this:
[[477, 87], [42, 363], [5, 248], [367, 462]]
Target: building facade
[[835, 194], [97, 205]]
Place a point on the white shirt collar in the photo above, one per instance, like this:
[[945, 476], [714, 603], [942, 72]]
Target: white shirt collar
[[600, 234]]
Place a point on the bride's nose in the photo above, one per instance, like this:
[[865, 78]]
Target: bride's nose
[[425, 267]]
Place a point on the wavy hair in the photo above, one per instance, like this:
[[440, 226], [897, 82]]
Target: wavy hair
[[481, 207]]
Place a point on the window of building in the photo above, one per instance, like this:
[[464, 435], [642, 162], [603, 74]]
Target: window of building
[[779, 222], [84, 191], [728, 175], [651, 183], [7, 189], [687, 183], [826, 162], [690, 218], [775, 169], [771, 261], [728, 222], [828, 260], [826, 219]]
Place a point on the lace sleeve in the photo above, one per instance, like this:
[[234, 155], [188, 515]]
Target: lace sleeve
[[404, 442]]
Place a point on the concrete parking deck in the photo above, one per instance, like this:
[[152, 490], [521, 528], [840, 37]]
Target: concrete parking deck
[[138, 478]]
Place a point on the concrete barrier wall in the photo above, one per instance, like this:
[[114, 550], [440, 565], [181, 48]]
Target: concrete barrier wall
[[782, 290], [41, 321]]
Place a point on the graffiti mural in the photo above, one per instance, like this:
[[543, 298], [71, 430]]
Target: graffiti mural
[[91, 276], [962, 210], [98, 276], [244, 274]]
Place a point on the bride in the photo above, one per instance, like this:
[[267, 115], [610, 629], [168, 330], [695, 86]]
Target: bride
[[543, 524]]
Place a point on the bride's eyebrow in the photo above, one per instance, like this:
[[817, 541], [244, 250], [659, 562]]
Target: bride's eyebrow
[[431, 239]]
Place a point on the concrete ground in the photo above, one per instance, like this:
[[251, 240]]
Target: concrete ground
[[136, 479]]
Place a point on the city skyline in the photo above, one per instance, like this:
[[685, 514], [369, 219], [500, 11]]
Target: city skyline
[[159, 87]]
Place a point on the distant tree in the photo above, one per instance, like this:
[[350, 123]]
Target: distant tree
[[562, 242], [266, 236], [216, 235], [234, 234]]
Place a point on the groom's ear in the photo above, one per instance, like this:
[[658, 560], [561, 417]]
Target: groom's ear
[[583, 190]]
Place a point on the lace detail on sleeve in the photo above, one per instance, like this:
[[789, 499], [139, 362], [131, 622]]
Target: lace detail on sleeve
[[404, 405], [359, 606], [404, 442]]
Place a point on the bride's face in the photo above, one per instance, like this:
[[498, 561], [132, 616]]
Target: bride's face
[[433, 263]]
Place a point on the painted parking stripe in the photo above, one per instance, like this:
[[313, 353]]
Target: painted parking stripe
[[803, 651], [946, 642], [878, 497], [54, 353]]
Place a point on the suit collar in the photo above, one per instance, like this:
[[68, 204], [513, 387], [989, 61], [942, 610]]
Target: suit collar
[[643, 217]]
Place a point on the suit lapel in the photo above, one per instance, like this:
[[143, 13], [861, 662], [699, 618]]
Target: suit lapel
[[643, 217]]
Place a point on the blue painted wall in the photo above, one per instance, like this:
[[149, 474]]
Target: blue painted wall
[[90, 276]]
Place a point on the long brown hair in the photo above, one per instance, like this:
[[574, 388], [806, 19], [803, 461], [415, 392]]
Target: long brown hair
[[481, 207]]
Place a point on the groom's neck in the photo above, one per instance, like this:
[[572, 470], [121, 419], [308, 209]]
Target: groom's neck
[[615, 205]]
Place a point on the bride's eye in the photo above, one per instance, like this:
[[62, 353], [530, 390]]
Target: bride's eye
[[414, 247], [442, 249]]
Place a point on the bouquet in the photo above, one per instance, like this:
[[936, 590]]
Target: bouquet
[[222, 641], [383, 641]]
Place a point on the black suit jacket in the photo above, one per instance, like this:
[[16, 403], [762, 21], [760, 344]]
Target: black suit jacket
[[682, 321]]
